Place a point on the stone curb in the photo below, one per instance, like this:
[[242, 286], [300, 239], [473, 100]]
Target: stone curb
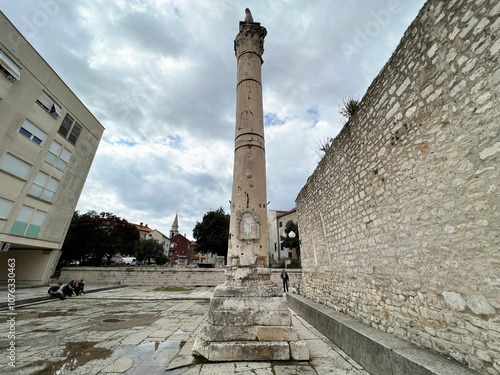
[[378, 352], [48, 298]]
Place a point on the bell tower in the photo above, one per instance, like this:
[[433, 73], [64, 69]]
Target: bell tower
[[174, 230]]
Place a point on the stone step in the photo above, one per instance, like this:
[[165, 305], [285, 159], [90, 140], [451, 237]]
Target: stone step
[[252, 350]]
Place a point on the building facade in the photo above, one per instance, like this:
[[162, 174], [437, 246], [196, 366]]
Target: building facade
[[276, 223], [48, 140], [162, 240], [180, 247], [144, 231]]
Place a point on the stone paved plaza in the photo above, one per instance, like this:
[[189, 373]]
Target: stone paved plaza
[[137, 331]]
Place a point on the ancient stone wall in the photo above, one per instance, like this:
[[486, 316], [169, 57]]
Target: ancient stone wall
[[400, 222], [161, 277]]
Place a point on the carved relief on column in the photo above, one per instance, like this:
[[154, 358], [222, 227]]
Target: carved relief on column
[[248, 224]]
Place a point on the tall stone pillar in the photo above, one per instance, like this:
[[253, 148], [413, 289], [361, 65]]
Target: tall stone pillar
[[248, 225], [249, 319]]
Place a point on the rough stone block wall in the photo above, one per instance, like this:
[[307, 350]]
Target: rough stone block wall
[[144, 276], [161, 277], [400, 222]]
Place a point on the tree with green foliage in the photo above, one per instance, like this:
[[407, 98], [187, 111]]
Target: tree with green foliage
[[291, 242], [93, 237], [118, 236], [151, 250], [212, 233], [80, 239]]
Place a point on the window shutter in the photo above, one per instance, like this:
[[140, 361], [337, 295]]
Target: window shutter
[[10, 66]]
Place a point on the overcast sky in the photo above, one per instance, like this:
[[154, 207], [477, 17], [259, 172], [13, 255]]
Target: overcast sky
[[160, 76]]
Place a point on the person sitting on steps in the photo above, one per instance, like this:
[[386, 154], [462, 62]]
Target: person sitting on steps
[[55, 293], [79, 285], [68, 290]]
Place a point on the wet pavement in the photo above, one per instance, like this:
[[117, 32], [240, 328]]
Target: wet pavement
[[134, 330]]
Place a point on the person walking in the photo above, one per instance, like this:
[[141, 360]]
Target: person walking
[[284, 277]]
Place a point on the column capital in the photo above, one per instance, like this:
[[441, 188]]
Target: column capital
[[250, 39]]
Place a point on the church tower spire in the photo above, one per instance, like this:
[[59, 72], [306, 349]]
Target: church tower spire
[[174, 230]]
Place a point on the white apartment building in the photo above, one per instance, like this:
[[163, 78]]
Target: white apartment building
[[162, 240], [276, 223], [48, 140]]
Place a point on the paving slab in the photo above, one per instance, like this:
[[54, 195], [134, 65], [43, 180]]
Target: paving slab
[[136, 330]]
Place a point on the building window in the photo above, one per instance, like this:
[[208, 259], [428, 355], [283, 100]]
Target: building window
[[9, 67], [47, 103], [44, 187], [281, 224], [5, 207], [75, 133], [28, 222], [15, 166], [65, 125], [70, 129], [33, 132], [58, 156]]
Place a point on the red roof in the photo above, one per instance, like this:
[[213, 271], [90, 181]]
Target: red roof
[[143, 228]]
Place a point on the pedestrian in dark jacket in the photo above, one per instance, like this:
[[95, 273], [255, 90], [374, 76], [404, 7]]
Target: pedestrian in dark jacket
[[284, 277]]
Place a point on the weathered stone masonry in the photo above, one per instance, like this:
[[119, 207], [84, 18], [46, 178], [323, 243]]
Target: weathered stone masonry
[[399, 223]]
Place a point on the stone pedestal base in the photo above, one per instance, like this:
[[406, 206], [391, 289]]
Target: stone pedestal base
[[249, 321]]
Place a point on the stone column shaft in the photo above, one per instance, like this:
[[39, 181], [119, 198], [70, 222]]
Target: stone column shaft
[[248, 225], [249, 319]]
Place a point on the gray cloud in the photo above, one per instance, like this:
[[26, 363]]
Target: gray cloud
[[161, 76]]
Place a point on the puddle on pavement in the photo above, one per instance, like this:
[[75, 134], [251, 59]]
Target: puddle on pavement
[[50, 314], [23, 315], [76, 353], [113, 320], [177, 371], [112, 323], [30, 314], [150, 348], [46, 330], [151, 354]]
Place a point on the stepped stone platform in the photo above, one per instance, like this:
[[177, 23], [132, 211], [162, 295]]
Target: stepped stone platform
[[249, 320]]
